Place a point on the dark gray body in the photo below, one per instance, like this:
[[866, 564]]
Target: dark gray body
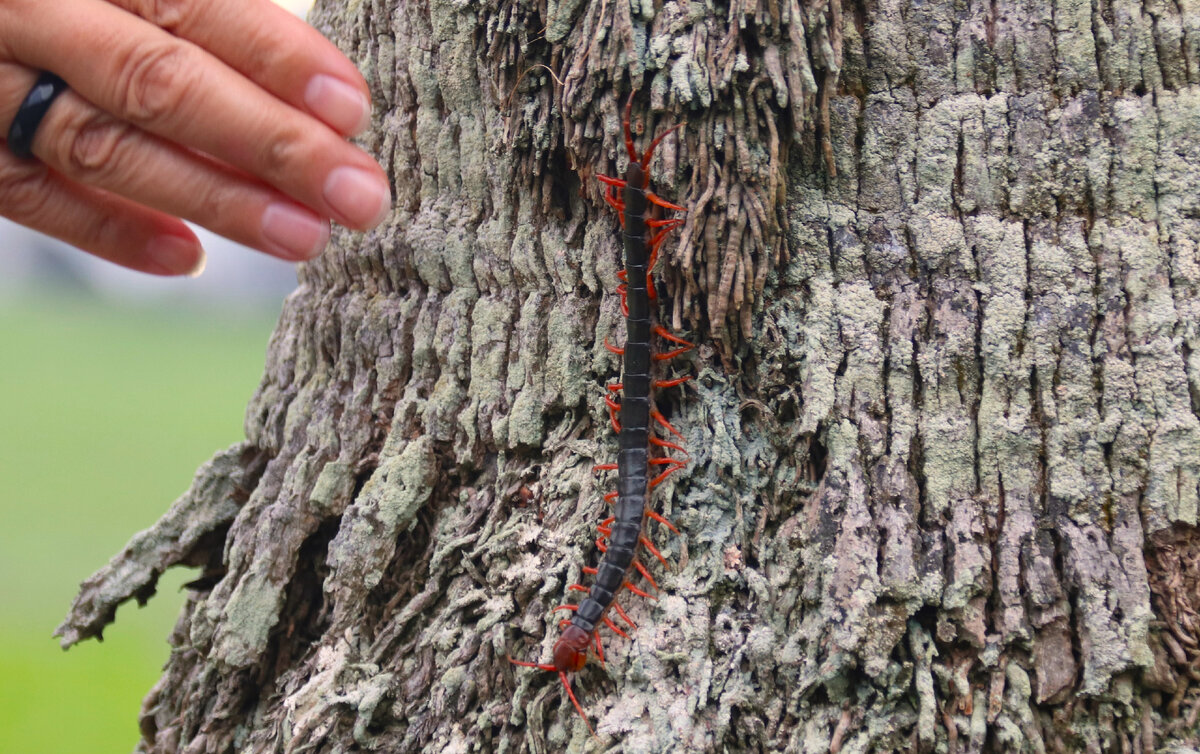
[[633, 458]]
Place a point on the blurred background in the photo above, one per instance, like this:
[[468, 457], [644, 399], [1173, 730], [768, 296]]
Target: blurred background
[[114, 388]]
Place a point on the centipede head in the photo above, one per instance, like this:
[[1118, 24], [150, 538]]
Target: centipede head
[[570, 655], [571, 649]]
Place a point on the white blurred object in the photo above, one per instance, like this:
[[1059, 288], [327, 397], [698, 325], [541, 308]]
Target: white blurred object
[[299, 7]]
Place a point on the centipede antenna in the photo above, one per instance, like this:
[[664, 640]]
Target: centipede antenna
[[633, 157], [649, 153]]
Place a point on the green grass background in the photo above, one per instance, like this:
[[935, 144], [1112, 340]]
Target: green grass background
[[105, 414]]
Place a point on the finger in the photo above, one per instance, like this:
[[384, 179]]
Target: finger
[[143, 75], [86, 145], [101, 224], [273, 48]]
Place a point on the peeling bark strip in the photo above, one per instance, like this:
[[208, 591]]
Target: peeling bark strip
[[624, 531], [946, 502]]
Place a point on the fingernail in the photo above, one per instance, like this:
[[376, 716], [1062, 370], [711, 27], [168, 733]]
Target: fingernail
[[338, 104], [361, 198], [294, 232], [174, 255]]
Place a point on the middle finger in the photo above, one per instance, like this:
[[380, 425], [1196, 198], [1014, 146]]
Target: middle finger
[[143, 75]]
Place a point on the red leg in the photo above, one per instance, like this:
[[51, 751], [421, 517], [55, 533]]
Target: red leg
[[615, 628], [661, 520], [614, 349], [639, 592], [599, 649], [667, 335], [616, 387], [613, 407], [645, 574], [660, 384], [659, 479], [624, 617], [610, 497], [659, 201], [605, 467], [654, 551], [658, 417], [666, 444]]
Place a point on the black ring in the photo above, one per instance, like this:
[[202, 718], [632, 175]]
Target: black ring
[[29, 115]]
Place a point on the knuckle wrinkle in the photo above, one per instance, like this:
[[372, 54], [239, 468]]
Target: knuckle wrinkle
[[154, 82], [92, 145], [171, 15]]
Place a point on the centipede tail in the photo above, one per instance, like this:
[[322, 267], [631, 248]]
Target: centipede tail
[[633, 418]]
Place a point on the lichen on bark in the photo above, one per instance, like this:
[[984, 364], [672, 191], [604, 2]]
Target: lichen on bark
[[942, 261]]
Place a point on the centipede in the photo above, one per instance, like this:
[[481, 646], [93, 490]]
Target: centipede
[[644, 459]]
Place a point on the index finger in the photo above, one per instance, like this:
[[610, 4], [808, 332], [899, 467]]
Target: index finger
[[272, 48]]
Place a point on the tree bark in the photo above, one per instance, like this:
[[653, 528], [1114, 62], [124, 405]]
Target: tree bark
[[942, 259]]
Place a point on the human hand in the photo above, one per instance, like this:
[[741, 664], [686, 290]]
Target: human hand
[[175, 110]]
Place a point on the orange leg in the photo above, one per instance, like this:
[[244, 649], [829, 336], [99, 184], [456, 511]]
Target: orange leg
[[657, 517], [614, 349], [603, 547], [660, 384], [658, 417], [659, 479], [645, 574], [659, 201], [639, 592], [665, 444], [654, 551], [615, 628], [605, 467], [671, 337], [624, 617], [592, 572], [613, 407]]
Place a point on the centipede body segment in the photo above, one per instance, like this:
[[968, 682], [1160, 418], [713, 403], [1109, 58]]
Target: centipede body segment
[[642, 458]]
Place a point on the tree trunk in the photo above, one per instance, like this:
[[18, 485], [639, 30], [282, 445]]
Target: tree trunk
[[942, 261]]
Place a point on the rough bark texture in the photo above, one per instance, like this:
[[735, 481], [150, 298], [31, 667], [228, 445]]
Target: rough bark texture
[[945, 437]]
